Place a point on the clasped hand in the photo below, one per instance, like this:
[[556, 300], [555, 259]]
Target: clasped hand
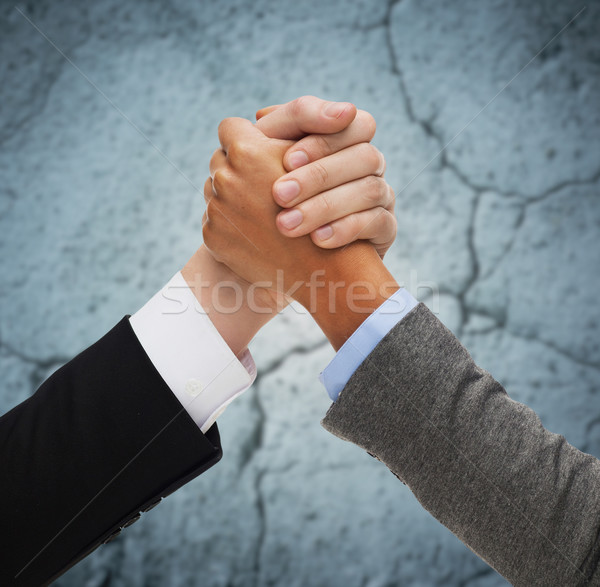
[[298, 196], [338, 196]]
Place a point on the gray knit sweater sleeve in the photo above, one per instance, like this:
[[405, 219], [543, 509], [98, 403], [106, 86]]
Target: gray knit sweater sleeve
[[519, 496]]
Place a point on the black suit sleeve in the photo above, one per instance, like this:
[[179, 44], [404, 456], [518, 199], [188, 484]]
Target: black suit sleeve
[[101, 440]]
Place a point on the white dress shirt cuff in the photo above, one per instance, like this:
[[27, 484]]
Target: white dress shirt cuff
[[190, 354]]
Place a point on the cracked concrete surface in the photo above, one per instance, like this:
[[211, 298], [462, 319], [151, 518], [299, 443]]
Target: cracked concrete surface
[[498, 210]]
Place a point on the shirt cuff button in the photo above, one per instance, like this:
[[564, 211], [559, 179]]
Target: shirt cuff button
[[193, 387]]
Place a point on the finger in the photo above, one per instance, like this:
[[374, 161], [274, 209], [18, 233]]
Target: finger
[[306, 115], [347, 165], [356, 196], [266, 110], [317, 146], [208, 190], [376, 225], [217, 161], [392, 204], [238, 131]]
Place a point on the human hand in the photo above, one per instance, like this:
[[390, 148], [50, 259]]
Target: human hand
[[330, 135], [237, 308], [338, 176], [239, 223], [240, 231]]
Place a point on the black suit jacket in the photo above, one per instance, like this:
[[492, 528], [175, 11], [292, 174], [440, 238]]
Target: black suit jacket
[[102, 440]]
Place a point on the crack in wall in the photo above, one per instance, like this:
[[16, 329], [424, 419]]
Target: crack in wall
[[257, 438], [40, 365], [527, 198], [427, 126], [502, 326], [550, 345], [475, 266], [255, 443], [508, 247], [12, 127], [262, 532], [429, 130]]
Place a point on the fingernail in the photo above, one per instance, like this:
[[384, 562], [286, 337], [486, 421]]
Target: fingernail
[[336, 109], [297, 159], [291, 219], [286, 191], [324, 233]]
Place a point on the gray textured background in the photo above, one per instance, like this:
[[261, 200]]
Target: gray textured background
[[93, 220]]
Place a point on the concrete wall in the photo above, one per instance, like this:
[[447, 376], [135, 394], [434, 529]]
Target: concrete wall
[[498, 204]]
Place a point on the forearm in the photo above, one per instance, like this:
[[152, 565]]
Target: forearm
[[101, 440], [350, 286], [237, 309]]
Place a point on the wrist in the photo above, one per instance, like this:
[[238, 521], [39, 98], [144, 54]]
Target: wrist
[[237, 309], [348, 286]]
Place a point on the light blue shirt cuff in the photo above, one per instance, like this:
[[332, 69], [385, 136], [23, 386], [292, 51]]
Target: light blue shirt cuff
[[367, 336]]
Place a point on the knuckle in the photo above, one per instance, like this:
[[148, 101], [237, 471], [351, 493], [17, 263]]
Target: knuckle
[[222, 182], [383, 167], [367, 123], [300, 105], [355, 226], [239, 150], [208, 190], [216, 159], [373, 157], [213, 228], [345, 231], [392, 198], [321, 146], [387, 223], [223, 126], [393, 225], [218, 180], [376, 192], [210, 212], [319, 174], [326, 204]]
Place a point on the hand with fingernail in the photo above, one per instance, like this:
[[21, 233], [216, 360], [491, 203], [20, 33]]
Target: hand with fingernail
[[334, 210], [245, 228], [334, 189]]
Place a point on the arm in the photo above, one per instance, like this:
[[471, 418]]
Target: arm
[[113, 431], [519, 496], [334, 210], [101, 440]]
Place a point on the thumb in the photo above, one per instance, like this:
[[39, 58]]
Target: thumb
[[305, 115], [239, 130], [266, 110]]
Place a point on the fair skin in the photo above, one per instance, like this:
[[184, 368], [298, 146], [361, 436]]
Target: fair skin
[[329, 136], [340, 287]]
